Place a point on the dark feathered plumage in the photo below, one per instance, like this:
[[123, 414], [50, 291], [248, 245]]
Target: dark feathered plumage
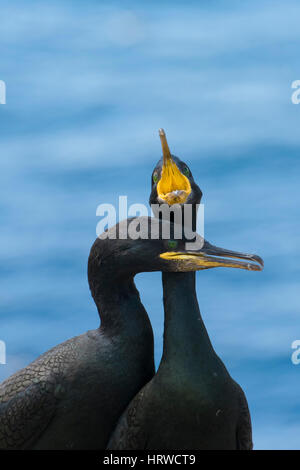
[[191, 402]]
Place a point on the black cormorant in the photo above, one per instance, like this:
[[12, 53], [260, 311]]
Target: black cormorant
[[192, 402], [72, 395]]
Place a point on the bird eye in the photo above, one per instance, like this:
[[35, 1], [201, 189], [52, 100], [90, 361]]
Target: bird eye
[[155, 177], [186, 171], [172, 244]]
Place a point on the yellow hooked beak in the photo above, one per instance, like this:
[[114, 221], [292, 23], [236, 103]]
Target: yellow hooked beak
[[211, 256], [173, 187]]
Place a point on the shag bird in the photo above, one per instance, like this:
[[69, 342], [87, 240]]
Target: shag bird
[[172, 181], [72, 396], [192, 402]]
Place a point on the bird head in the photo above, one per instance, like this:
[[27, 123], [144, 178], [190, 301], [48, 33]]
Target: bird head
[[172, 181], [142, 244]]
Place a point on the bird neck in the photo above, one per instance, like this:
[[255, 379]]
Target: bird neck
[[186, 342], [121, 310]]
